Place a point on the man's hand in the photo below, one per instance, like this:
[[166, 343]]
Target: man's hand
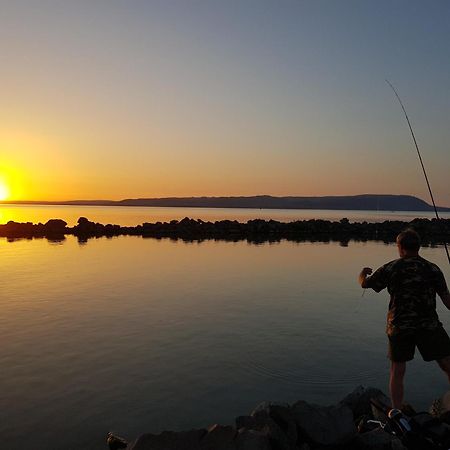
[[363, 276]]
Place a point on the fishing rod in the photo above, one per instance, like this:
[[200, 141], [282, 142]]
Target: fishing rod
[[421, 162]]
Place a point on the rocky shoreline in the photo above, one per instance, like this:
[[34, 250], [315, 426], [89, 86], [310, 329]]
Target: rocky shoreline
[[300, 426], [432, 231]]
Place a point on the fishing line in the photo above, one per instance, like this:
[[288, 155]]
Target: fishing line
[[421, 163]]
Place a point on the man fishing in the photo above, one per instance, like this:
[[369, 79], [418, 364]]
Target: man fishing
[[412, 320]]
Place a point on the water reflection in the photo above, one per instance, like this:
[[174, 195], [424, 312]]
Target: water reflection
[[51, 240], [83, 240], [139, 335], [132, 216]]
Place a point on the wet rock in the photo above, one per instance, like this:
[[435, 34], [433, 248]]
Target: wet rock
[[56, 225], [262, 420], [256, 230], [115, 442], [268, 427], [359, 400], [440, 408], [169, 440], [281, 414], [252, 440], [324, 425], [86, 228], [377, 440], [219, 437]]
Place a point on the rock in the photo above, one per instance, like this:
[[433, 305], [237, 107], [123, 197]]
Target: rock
[[377, 440], [251, 440], [441, 407], [359, 400], [396, 444], [169, 440], [268, 427], [379, 413], [115, 442], [219, 437], [254, 231], [281, 414], [324, 425], [445, 417], [56, 225]]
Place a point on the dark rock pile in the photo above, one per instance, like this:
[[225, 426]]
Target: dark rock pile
[[257, 230], [279, 426]]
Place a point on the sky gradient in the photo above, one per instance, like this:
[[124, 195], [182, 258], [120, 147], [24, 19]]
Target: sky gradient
[[111, 99]]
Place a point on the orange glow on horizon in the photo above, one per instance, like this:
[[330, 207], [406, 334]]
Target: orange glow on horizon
[[32, 165]]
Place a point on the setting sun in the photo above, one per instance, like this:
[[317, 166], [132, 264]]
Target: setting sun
[[4, 191]]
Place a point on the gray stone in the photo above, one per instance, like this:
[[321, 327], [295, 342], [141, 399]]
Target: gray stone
[[359, 400], [305, 446], [269, 428], [324, 425], [219, 437], [281, 414], [441, 407], [264, 407], [377, 440], [251, 440], [377, 414], [115, 442], [169, 440]]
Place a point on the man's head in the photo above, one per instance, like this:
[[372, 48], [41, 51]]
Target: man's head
[[408, 243]]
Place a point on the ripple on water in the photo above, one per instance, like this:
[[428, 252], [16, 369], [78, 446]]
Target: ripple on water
[[306, 377]]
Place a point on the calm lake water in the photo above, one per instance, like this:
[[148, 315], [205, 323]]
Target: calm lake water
[[132, 216], [138, 335]]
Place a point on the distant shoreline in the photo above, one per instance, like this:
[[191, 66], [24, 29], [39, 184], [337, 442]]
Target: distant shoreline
[[365, 202]]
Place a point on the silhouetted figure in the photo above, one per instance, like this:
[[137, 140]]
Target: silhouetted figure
[[412, 320]]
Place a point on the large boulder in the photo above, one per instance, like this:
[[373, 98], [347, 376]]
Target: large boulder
[[252, 440], [219, 437], [359, 400], [281, 414], [268, 428], [324, 425], [377, 440], [441, 408], [275, 421], [169, 440], [55, 226]]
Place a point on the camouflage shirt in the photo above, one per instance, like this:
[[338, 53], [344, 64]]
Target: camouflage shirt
[[412, 284]]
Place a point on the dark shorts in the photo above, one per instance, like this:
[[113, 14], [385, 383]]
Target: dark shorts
[[432, 345]]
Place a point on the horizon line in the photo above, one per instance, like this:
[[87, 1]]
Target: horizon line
[[366, 194]]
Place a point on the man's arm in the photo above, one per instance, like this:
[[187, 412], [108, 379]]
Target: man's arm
[[441, 287], [363, 277], [445, 299]]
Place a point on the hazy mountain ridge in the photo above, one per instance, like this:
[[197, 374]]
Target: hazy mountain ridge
[[370, 202]]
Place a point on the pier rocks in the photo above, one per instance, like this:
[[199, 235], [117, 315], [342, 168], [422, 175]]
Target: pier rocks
[[255, 231], [280, 426]]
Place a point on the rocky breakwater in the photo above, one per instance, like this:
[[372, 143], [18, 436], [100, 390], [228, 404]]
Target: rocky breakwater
[[431, 231], [53, 229], [279, 426]]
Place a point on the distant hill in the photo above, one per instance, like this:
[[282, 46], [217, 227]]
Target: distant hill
[[370, 202]]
